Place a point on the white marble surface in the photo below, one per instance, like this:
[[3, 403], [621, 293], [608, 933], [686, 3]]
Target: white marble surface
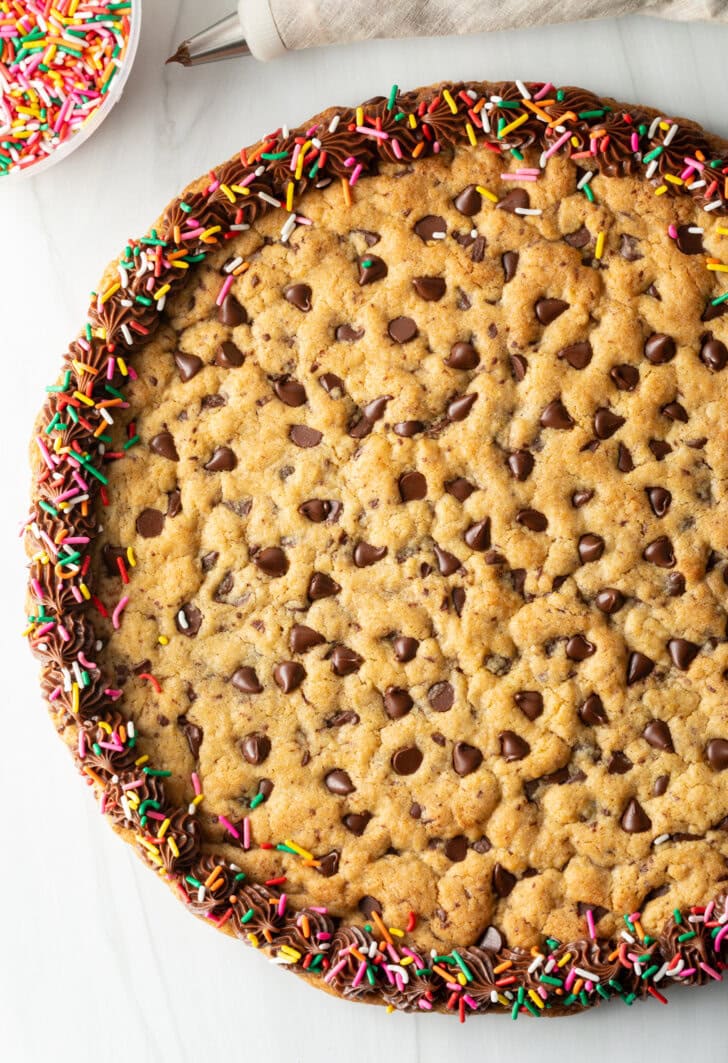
[[93, 951]]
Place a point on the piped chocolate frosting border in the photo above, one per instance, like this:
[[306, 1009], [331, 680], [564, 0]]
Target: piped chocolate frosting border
[[372, 962]]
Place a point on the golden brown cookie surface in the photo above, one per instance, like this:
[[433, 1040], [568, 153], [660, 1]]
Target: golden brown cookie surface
[[425, 509]]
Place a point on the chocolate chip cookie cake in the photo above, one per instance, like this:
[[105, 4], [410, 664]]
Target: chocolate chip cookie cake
[[379, 550]]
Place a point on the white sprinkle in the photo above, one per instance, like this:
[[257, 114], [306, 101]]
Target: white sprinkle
[[125, 806], [229, 267], [714, 205], [669, 135], [127, 335], [550, 964], [316, 142], [675, 971], [66, 679], [288, 227], [123, 277], [269, 199], [585, 179], [531, 211], [439, 236], [653, 128], [241, 228], [494, 996], [651, 169], [395, 968], [77, 672], [661, 973], [334, 123], [126, 302], [260, 170], [696, 184], [588, 975], [638, 968], [628, 937], [182, 620], [201, 894], [161, 301], [471, 93], [523, 90], [192, 809], [474, 233], [696, 229], [535, 965], [486, 121], [661, 839], [284, 132]]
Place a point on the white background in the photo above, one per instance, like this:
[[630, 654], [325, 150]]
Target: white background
[[94, 951]]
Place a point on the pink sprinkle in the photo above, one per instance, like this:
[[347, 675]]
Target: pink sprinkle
[[687, 172], [102, 805], [116, 746], [110, 367], [590, 924], [350, 161], [635, 142], [720, 938], [115, 616], [321, 910], [393, 953], [112, 693], [133, 375], [518, 177], [424, 1004], [335, 970], [192, 235], [544, 91], [367, 131], [45, 628], [294, 157], [557, 144], [80, 481], [355, 175], [712, 972], [454, 987], [570, 979], [158, 816], [82, 744], [396, 148], [196, 783], [227, 285], [228, 826], [687, 972], [37, 589], [359, 974], [246, 832], [541, 990], [76, 593], [282, 904], [436, 148], [62, 631], [696, 165], [84, 661], [55, 694], [470, 1002], [672, 232], [133, 785], [44, 451]]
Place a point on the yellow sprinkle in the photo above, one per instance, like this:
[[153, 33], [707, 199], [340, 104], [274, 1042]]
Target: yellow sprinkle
[[141, 760], [228, 192], [198, 799], [717, 267], [661, 190], [673, 180], [289, 196], [412, 121], [462, 979], [81, 367], [163, 828], [450, 101], [535, 998], [84, 591], [298, 849], [173, 845], [162, 291], [471, 134], [104, 726], [664, 125], [74, 699], [122, 366], [299, 160], [240, 190], [293, 954], [110, 291], [360, 116], [148, 845], [210, 232], [389, 1009], [722, 230], [512, 125], [396, 931], [253, 941], [130, 556], [83, 398], [155, 859], [487, 193], [181, 265], [406, 961], [564, 960], [163, 640], [599, 249], [504, 1001]]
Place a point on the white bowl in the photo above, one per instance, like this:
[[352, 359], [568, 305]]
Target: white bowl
[[95, 119]]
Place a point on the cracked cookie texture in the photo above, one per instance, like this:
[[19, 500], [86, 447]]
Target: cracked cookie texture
[[401, 602]]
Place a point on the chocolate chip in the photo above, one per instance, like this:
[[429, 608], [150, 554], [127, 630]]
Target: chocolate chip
[[682, 653], [578, 648], [516, 199], [189, 365], [626, 377], [188, 620], [659, 499], [477, 536], [462, 355], [624, 459], [628, 248], [347, 334], [657, 734], [397, 702], [228, 356], [402, 329], [289, 675], [469, 201], [255, 748], [660, 552], [412, 486], [532, 519], [163, 444], [368, 416], [456, 849], [519, 366], [579, 238], [688, 240], [303, 638], [328, 865], [675, 411], [345, 661], [371, 268], [659, 448], [592, 712], [356, 822], [222, 460], [619, 764], [447, 563], [580, 497], [590, 547], [212, 402], [458, 599], [460, 489], [578, 355], [406, 760], [365, 554], [466, 758], [509, 261], [150, 523], [370, 238], [319, 510], [367, 905], [431, 289], [441, 696], [322, 586], [521, 463], [338, 782], [290, 391], [716, 753], [299, 295], [660, 348], [530, 702], [547, 310], [405, 648], [503, 881], [303, 436], [430, 226], [606, 423], [246, 681], [639, 666], [609, 600], [265, 787], [555, 415], [660, 785], [331, 383], [231, 313], [408, 429], [342, 718], [192, 733], [675, 584], [714, 354], [512, 746], [272, 561], [634, 818]]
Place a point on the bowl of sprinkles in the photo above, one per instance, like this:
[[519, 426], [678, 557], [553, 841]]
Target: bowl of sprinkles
[[63, 66]]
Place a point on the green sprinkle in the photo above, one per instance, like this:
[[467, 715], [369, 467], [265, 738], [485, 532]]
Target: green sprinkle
[[462, 965], [516, 154], [588, 193], [193, 881], [423, 970], [97, 749], [316, 962], [509, 105], [551, 981], [721, 299], [650, 971], [687, 937], [652, 154], [501, 126], [248, 916], [73, 414], [131, 442], [568, 1001], [532, 1008], [392, 97], [272, 156], [552, 943], [257, 800], [677, 916], [515, 1010], [584, 998], [239, 877], [144, 300], [602, 992], [114, 391], [591, 114], [286, 849], [370, 975], [630, 999], [184, 207], [366, 263], [157, 772]]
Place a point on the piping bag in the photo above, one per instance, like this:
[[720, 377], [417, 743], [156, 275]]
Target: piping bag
[[267, 29]]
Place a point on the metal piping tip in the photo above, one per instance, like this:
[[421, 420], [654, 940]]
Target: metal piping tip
[[223, 40]]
